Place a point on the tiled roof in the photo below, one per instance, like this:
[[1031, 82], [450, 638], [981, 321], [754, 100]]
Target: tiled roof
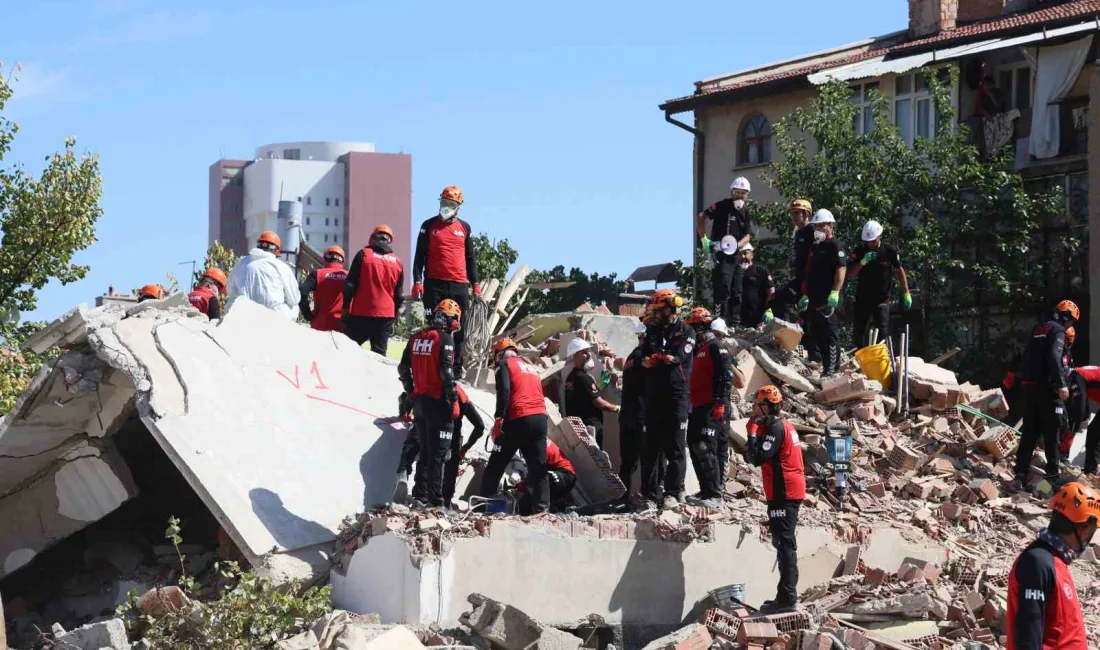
[[884, 46]]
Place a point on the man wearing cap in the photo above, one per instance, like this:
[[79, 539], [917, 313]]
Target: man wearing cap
[[582, 394], [802, 237], [729, 233], [757, 290], [876, 264], [821, 293]]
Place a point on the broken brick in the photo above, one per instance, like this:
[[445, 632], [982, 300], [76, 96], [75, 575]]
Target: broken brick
[[985, 488], [757, 631]]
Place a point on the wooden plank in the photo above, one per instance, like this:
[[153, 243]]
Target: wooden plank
[[547, 285], [506, 295], [519, 303]]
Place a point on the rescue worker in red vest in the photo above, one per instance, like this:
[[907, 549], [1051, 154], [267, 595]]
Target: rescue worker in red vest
[[520, 424], [561, 478], [427, 373], [1087, 379], [459, 449], [445, 260], [327, 286], [632, 412], [207, 296], [373, 292], [666, 356], [582, 392], [1045, 389], [150, 292], [774, 446], [711, 378], [1044, 612]]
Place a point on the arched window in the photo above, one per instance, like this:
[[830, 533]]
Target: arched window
[[756, 141]]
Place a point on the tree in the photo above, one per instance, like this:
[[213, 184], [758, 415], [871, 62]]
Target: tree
[[494, 257], [217, 256], [591, 288], [960, 218]]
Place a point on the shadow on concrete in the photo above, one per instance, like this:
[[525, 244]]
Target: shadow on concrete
[[378, 466], [650, 593], [288, 529]]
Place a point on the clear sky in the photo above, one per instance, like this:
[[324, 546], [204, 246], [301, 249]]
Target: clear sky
[[545, 113]]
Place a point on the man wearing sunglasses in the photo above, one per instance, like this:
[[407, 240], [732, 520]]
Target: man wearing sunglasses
[[445, 262]]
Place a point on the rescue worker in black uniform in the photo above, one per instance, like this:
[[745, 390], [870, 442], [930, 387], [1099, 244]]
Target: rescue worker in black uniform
[[825, 272], [711, 378], [801, 239], [757, 290], [1044, 388], [459, 449], [729, 218], [666, 356], [774, 446], [632, 412], [582, 393], [876, 264]]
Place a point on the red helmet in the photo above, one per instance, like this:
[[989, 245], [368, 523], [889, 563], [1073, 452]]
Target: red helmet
[[699, 316]]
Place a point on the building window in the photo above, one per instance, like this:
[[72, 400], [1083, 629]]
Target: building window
[[326, 221], [337, 221], [292, 154], [1014, 86], [326, 239], [307, 221], [913, 113], [309, 200], [337, 202], [328, 201], [756, 141], [863, 121], [307, 237]]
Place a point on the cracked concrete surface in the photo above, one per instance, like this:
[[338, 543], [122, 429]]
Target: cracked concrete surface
[[281, 430]]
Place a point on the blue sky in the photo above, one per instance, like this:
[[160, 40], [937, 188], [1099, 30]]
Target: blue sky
[[546, 115]]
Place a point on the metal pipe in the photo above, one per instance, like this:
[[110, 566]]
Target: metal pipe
[[700, 158], [901, 372]]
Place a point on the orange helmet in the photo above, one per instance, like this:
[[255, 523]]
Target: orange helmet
[[452, 192], [769, 394], [666, 298], [269, 237], [699, 316], [449, 307], [1069, 308], [217, 275], [333, 251], [1071, 335], [504, 344], [382, 229], [1077, 502], [801, 204], [150, 291]]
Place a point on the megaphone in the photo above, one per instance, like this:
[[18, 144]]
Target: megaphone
[[728, 245]]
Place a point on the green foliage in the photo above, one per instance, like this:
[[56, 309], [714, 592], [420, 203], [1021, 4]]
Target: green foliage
[[248, 614], [217, 256], [960, 220], [45, 219], [494, 257], [18, 369], [591, 288]]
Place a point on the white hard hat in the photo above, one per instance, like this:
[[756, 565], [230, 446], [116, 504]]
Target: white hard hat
[[741, 183], [719, 325], [576, 345], [822, 216], [747, 247], [872, 230], [639, 327], [728, 244]]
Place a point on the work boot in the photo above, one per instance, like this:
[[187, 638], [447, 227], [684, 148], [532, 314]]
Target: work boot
[[401, 491], [771, 606], [669, 502], [1017, 485], [705, 501]]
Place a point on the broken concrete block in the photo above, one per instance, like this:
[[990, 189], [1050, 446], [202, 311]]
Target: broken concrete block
[[819, 568], [305, 641], [163, 600], [596, 478], [851, 560], [985, 489], [512, 629], [764, 632], [693, 637], [398, 638], [998, 442], [97, 636], [787, 335], [781, 372], [951, 510], [903, 459]]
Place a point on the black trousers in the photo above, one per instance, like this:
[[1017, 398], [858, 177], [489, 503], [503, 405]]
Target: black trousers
[[631, 441], [561, 485], [726, 276], [822, 345], [786, 297], [437, 290], [1040, 419], [368, 328], [702, 443], [1092, 445], [783, 522], [437, 436], [528, 436], [876, 316], [450, 470], [666, 434]]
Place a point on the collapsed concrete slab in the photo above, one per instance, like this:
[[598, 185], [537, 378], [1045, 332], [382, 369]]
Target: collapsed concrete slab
[[616, 331], [281, 430]]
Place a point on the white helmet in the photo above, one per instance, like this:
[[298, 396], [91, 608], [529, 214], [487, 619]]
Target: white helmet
[[872, 230], [719, 325], [576, 345], [740, 183], [822, 216], [747, 247]]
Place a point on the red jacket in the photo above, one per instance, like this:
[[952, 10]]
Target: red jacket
[[711, 373], [557, 460], [328, 297], [519, 389], [1091, 375], [427, 365], [445, 251], [380, 278], [1043, 610], [202, 298], [775, 444]]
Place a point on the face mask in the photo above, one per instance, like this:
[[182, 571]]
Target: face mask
[[739, 203], [819, 235], [746, 265], [447, 212], [589, 364]]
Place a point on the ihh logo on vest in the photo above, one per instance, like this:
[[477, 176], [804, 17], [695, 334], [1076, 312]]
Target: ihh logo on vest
[[423, 346], [1034, 594]]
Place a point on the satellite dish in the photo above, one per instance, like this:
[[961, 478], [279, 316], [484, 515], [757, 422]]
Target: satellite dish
[[9, 314]]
